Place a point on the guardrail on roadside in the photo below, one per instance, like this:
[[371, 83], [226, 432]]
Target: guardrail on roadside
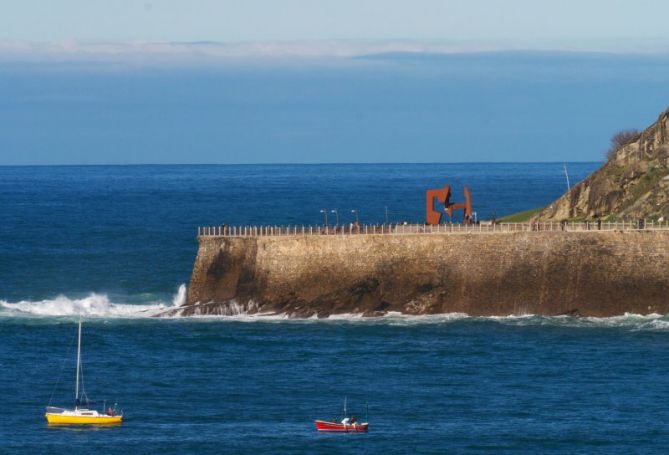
[[404, 229]]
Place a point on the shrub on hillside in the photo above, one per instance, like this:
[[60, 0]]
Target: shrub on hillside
[[620, 139]]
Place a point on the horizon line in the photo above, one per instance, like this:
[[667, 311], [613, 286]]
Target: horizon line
[[307, 49], [413, 163]]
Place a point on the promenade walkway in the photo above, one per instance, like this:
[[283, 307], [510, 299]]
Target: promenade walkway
[[408, 229]]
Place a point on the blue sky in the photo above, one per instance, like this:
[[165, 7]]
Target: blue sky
[[518, 22]]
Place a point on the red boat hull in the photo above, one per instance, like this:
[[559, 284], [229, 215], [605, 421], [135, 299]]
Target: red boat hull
[[322, 425]]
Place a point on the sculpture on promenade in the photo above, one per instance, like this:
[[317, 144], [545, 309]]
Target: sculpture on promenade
[[443, 196]]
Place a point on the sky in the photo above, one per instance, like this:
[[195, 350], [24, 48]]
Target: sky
[[518, 22], [260, 81]]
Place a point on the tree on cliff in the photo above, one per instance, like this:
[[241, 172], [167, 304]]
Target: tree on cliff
[[620, 139]]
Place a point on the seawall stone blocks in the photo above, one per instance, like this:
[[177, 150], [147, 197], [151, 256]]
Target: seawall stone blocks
[[550, 273]]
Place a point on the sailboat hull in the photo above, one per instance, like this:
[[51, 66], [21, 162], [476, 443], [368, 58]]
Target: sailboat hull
[[322, 425], [61, 419]]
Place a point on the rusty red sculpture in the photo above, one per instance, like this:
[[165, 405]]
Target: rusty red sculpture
[[443, 195]]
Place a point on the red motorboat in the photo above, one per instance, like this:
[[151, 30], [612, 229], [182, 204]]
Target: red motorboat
[[347, 425], [322, 425]]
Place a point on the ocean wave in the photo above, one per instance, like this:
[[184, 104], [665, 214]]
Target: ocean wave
[[628, 320], [100, 306], [91, 306], [631, 321]]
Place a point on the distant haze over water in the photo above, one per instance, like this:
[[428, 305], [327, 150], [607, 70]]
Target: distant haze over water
[[476, 107]]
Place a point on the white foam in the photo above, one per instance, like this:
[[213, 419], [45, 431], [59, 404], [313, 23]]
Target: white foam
[[633, 322], [100, 306], [93, 305], [630, 321], [234, 312], [180, 297], [231, 308]]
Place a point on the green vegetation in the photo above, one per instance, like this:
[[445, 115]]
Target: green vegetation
[[615, 171], [649, 181], [520, 217]]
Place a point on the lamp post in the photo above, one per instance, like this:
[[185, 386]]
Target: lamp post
[[325, 214], [357, 220], [336, 212]]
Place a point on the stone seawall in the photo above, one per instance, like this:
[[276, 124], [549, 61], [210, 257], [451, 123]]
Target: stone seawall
[[549, 273]]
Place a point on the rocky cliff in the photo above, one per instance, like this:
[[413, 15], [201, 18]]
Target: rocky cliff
[[632, 184], [588, 273]]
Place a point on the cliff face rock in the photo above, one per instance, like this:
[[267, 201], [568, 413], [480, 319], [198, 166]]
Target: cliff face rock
[[587, 273], [633, 184]]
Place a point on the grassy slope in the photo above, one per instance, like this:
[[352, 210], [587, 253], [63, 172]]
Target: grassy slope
[[520, 217]]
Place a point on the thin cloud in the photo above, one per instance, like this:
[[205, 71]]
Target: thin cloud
[[213, 51]]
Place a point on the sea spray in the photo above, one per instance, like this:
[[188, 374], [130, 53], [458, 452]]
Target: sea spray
[[94, 305], [180, 297], [100, 306]]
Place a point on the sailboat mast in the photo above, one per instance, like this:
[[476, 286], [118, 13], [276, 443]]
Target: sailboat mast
[[76, 390], [564, 165], [345, 413]]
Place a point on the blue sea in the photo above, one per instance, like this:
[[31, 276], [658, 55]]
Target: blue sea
[[116, 244]]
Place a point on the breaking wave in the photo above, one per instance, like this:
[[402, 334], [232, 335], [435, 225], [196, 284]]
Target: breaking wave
[[91, 306], [100, 306]]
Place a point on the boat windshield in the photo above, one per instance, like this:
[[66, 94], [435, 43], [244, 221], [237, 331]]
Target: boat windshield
[[54, 410]]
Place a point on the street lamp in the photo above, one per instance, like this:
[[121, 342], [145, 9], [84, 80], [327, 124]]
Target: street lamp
[[337, 215], [357, 220], [325, 214]]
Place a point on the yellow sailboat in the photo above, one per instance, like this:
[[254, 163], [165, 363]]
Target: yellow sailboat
[[81, 415]]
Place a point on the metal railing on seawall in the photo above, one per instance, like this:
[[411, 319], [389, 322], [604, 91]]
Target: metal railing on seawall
[[407, 229]]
